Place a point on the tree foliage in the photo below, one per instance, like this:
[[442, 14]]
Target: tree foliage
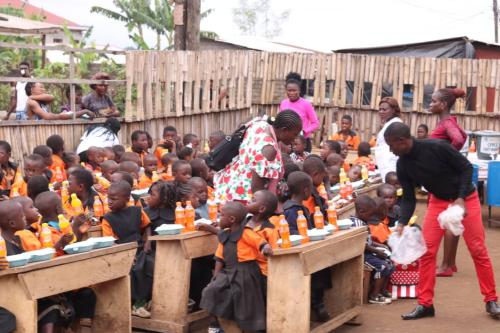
[[255, 17]]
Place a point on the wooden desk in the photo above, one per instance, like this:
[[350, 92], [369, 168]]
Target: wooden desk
[[105, 270], [174, 254], [289, 282], [95, 231]]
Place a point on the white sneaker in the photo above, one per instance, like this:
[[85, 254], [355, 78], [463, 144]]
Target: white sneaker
[[140, 312], [215, 330]]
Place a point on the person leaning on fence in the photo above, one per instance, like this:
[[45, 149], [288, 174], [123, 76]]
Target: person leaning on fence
[[98, 101], [38, 104]]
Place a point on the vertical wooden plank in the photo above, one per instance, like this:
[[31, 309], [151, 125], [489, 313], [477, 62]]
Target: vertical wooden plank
[[129, 76]]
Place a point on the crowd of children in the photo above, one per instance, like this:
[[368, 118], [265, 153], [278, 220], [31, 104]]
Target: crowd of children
[[106, 186]]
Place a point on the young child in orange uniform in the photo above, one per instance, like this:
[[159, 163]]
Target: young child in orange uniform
[[131, 224], [34, 165], [7, 168], [46, 153], [150, 168], [315, 168], [379, 224], [95, 157], [108, 168], [167, 160], [364, 152], [140, 144], [346, 133], [181, 170], [235, 292], [262, 207], [56, 143]]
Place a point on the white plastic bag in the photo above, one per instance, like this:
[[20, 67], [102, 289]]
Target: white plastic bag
[[451, 219], [408, 247]]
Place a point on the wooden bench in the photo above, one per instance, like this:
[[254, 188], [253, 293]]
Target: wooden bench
[[169, 306], [105, 270]]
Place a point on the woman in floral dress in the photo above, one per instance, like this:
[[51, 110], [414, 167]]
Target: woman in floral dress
[[258, 165]]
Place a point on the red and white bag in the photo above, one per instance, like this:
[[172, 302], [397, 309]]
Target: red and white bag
[[404, 281]]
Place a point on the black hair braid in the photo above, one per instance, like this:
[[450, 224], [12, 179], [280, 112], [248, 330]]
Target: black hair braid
[[286, 119], [182, 191], [167, 193]]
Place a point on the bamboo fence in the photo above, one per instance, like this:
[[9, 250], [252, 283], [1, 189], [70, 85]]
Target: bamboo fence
[[199, 92]]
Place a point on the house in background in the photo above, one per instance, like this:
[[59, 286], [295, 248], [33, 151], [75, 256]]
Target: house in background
[[58, 38]]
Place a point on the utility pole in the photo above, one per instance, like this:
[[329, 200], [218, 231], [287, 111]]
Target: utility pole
[[495, 17], [187, 24]]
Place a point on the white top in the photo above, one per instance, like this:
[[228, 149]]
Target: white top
[[99, 137], [21, 96], [385, 159]]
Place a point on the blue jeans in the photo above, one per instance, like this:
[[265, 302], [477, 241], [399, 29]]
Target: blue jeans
[[21, 115]]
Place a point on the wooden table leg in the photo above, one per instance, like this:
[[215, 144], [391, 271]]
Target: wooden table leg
[[171, 286], [14, 298], [113, 306], [288, 296]]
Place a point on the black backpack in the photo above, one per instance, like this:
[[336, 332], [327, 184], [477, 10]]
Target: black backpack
[[226, 150]]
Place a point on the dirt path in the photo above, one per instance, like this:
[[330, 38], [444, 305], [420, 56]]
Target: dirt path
[[458, 302]]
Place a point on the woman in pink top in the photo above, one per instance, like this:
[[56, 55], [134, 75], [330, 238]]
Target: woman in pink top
[[449, 130], [304, 109]]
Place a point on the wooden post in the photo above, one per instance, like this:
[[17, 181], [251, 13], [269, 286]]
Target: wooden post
[[495, 17], [71, 85], [192, 20], [180, 27], [43, 50]]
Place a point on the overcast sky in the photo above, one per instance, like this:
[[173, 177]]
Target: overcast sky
[[320, 24]]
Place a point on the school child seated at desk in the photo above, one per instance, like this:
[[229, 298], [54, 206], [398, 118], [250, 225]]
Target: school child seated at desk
[[131, 224], [34, 165], [108, 168], [56, 144], [235, 292], [150, 172], [379, 223], [375, 257], [95, 156], [388, 193], [300, 186], [299, 153], [346, 133], [200, 189], [37, 185], [181, 170], [364, 151], [8, 168], [12, 221], [315, 168]]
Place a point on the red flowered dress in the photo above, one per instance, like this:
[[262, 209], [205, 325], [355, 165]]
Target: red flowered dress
[[234, 181]]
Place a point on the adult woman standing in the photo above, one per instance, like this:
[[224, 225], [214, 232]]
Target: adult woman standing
[[389, 113], [304, 108], [448, 129], [258, 165], [98, 101]]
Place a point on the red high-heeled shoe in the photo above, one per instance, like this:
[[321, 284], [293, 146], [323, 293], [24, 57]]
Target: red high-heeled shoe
[[446, 273], [454, 269]]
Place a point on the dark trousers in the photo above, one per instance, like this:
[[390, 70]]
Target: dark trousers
[[308, 145]]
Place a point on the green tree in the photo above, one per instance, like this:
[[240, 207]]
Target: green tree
[[254, 14], [140, 14]]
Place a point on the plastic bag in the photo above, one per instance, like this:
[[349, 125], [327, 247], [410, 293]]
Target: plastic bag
[[408, 247], [451, 219]]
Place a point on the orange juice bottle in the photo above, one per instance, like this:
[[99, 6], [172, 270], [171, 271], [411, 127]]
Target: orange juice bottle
[[103, 182], [105, 204], [179, 214], [189, 216], [98, 207], [348, 188], [342, 176], [319, 219], [3, 247], [343, 191], [206, 148], [76, 205], [155, 177], [284, 233], [46, 236], [65, 227], [212, 211], [131, 201], [169, 170], [64, 193], [472, 147], [332, 214], [58, 175], [302, 226], [364, 172]]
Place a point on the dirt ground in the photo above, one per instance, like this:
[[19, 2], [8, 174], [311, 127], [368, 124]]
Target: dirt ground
[[458, 302]]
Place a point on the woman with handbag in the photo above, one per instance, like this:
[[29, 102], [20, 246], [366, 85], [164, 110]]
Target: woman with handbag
[[259, 164]]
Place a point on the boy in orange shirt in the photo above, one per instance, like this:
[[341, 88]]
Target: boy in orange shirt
[[150, 167], [364, 151], [7, 168], [140, 144], [379, 224], [34, 165], [56, 143], [95, 157], [131, 224], [346, 133]]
